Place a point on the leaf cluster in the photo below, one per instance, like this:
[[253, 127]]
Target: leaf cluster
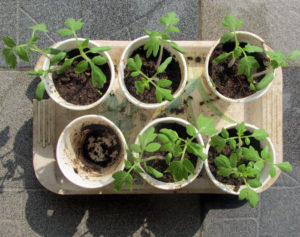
[[248, 63], [245, 161]]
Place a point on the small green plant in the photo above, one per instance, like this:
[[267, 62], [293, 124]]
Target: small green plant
[[169, 143], [22, 51], [245, 161], [247, 63], [155, 44]]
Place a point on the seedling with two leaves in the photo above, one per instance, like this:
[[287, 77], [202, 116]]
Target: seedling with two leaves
[[248, 63], [245, 161], [168, 142], [98, 77]]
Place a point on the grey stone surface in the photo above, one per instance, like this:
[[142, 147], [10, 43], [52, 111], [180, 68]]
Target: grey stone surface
[[10, 228], [277, 21], [15, 201]]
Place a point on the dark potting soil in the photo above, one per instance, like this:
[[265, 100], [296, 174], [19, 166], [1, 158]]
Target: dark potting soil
[[212, 154], [77, 88], [101, 145], [227, 80], [161, 165], [172, 73]]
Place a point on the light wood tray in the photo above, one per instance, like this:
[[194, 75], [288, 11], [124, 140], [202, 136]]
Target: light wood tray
[[49, 119]]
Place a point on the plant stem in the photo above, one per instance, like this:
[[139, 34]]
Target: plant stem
[[262, 73], [160, 55], [152, 158], [232, 61]]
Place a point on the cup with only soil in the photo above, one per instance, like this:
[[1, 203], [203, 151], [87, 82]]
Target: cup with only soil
[[89, 150]]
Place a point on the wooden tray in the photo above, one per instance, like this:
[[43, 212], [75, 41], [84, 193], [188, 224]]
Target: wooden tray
[[49, 119]]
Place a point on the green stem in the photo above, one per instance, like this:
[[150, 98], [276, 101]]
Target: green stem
[[160, 54]]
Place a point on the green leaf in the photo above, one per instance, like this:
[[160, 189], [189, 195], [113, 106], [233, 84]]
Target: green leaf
[[253, 49], [67, 63], [237, 52], [169, 19], [176, 47], [40, 72], [164, 65], [206, 125], [167, 147], [99, 60], [122, 178], [259, 165], [178, 171], [33, 39], [294, 55], [154, 172], [73, 24], [8, 41], [226, 37], [177, 150], [173, 29], [250, 153], [57, 58], [98, 77], [277, 59], [265, 81], [153, 44], [127, 164], [81, 66], [138, 62], [197, 150], [40, 90], [99, 49], [254, 183], [169, 158], [39, 27], [135, 74], [285, 166], [232, 144], [152, 147], [224, 133], [163, 93], [171, 134], [85, 43], [218, 142], [52, 51], [136, 148], [242, 168], [164, 83], [250, 195], [9, 57], [221, 58], [246, 65], [165, 36], [247, 141], [260, 134], [222, 161], [188, 165], [22, 53], [272, 171], [132, 65], [163, 138], [190, 130], [140, 87], [65, 32], [147, 137], [233, 160], [138, 169], [241, 128], [232, 23], [225, 172], [252, 172]]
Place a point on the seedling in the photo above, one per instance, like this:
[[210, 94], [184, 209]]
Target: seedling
[[22, 51], [248, 63], [169, 143], [245, 161]]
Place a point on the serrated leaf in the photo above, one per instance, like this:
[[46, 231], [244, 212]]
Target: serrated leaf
[[165, 36], [206, 125], [246, 65], [277, 59], [221, 58], [140, 87], [98, 77], [162, 93], [154, 172], [176, 47], [272, 171], [265, 81], [247, 141], [226, 37], [131, 64], [237, 52], [99, 60], [254, 183], [52, 51], [294, 55], [138, 62], [177, 150], [85, 43], [136, 148], [164, 83], [218, 142], [167, 147], [153, 44], [73, 24], [196, 149], [147, 137], [171, 134], [242, 168], [252, 87], [232, 23], [260, 134], [9, 57], [163, 138], [190, 130], [225, 172], [99, 49], [152, 147], [169, 158], [8, 41], [127, 164], [65, 32], [138, 169], [39, 27], [285, 166], [252, 172], [222, 161], [172, 29], [188, 165], [259, 165], [40, 90], [81, 66], [250, 195], [265, 152], [178, 171], [122, 178], [232, 143], [233, 160], [250, 153], [253, 49], [33, 39], [57, 58], [164, 65], [224, 133], [241, 128], [22, 53], [134, 74], [171, 18], [67, 63]]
